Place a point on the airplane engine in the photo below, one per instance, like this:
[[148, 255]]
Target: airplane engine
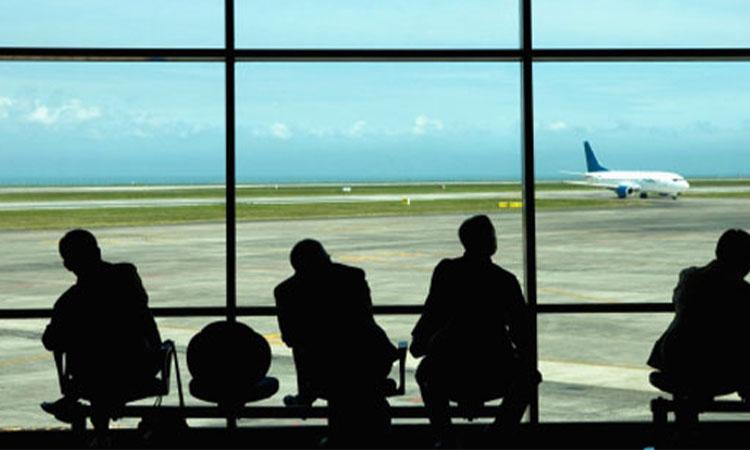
[[626, 190]]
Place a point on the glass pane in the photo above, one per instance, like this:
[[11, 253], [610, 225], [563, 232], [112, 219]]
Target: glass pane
[[382, 24], [641, 23], [594, 366], [92, 23], [686, 119], [134, 152], [28, 376], [399, 155], [380, 162]]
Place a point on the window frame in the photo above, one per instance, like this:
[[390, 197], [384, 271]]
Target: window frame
[[526, 55]]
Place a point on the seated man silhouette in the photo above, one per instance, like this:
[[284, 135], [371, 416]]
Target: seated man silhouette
[[103, 325], [703, 352], [340, 352], [474, 334]]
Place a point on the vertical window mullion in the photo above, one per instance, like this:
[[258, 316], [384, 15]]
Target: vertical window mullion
[[529, 210], [231, 217]]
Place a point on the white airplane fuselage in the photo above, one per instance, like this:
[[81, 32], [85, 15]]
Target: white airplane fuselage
[[644, 182]]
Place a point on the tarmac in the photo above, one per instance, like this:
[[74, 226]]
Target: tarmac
[[593, 364]]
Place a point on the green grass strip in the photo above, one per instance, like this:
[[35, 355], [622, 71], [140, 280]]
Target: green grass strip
[[217, 192], [125, 217]]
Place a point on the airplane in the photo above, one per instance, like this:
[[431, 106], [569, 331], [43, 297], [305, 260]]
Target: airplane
[[628, 183]]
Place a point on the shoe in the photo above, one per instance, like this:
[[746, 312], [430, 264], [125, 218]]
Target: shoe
[[64, 409]]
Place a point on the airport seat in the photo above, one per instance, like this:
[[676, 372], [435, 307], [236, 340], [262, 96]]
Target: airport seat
[[228, 362], [389, 387], [157, 386], [688, 405], [664, 382], [471, 397]]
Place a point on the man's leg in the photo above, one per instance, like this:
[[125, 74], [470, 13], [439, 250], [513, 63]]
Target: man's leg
[[305, 390], [434, 392], [517, 398], [66, 408]]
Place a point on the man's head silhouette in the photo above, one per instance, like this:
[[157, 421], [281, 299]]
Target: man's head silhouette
[[733, 250], [477, 235], [308, 256], [79, 251]]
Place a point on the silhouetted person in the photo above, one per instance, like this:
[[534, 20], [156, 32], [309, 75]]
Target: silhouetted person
[[474, 334], [325, 316], [704, 351], [103, 325]]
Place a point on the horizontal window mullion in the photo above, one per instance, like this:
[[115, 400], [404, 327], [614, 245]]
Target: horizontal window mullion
[[112, 54], [255, 311], [247, 311], [594, 308], [376, 55], [395, 55], [641, 54]]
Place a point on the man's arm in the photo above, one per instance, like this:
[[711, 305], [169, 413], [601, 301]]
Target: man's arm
[[434, 316], [55, 335], [150, 331], [286, 315], [519, 322]]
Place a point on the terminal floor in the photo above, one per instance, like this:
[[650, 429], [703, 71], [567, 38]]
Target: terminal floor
[[559, 435]]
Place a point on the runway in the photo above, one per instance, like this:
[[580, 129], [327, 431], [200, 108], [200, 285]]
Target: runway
[[593, 365], [314, 199]]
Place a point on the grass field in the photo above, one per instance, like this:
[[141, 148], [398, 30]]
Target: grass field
[[110, 217], [136, 216], [203, 192]]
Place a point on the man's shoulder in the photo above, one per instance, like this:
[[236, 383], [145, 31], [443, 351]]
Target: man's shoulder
[[67, 298], [450, 264], [505, 274], [694, 274], [349, 271], [282, 289], [122, 267]]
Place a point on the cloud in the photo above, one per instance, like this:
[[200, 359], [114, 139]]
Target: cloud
[[557, 126], [72, 111], [147, 124], [281, 131], [5, 104], [423, 124], [356, 129]]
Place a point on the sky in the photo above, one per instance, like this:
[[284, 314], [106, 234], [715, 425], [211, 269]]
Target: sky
[[81, 123]]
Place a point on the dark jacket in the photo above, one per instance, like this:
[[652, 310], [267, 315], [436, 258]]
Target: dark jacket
[[709, 335], [328, 317], [105, 327], [474, 312]]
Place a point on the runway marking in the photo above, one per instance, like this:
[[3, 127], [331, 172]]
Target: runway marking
[[20, 360], [576, 295], [379, 257], [593, 364], [611, 376]]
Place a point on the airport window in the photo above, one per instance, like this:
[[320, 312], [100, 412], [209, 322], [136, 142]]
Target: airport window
[[170, 141], [640, 24], [390, 24]]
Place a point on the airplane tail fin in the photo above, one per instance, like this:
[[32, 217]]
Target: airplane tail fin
[[592, 165]]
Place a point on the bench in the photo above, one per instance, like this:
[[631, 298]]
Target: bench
[[661, 407]]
